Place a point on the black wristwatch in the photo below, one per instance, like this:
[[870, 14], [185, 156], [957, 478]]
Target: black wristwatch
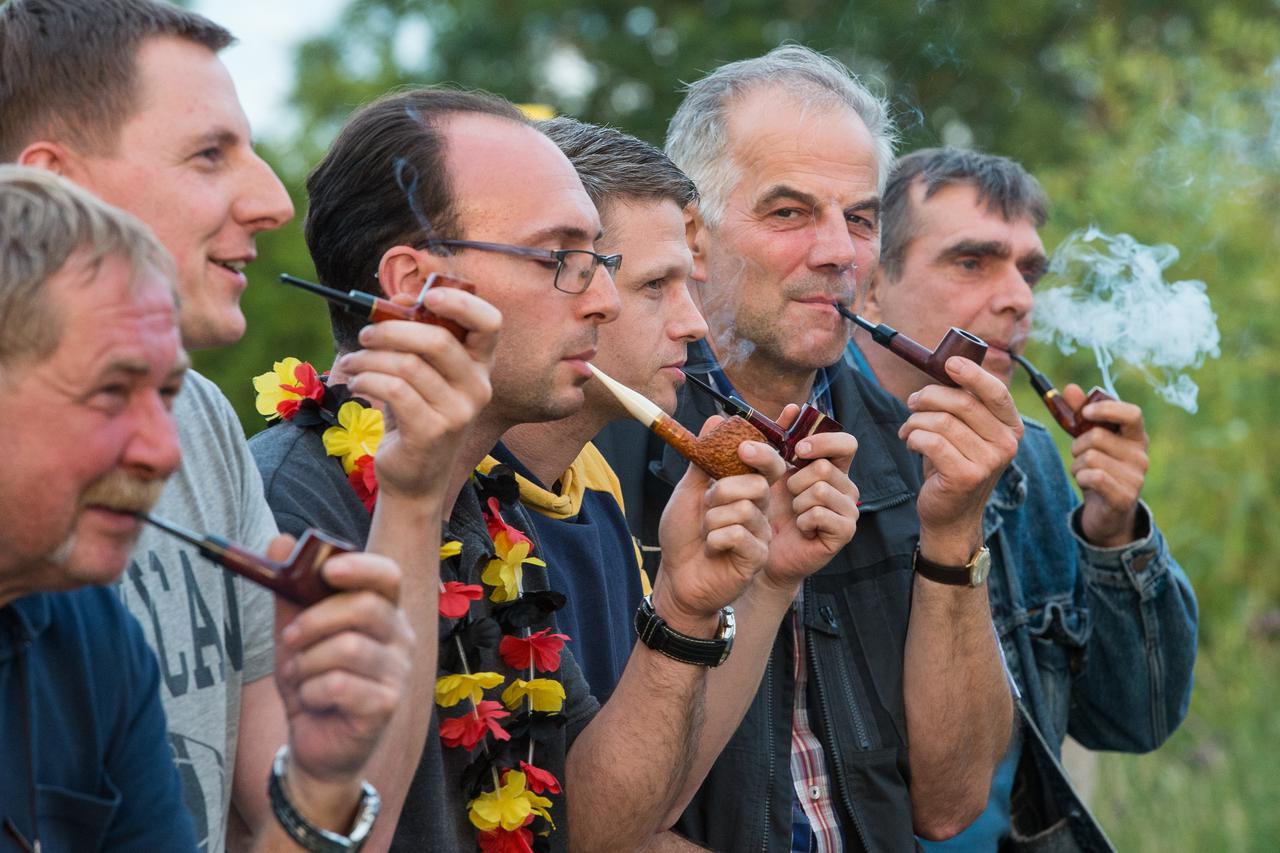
[[972, 573], [314, 838], [657, 635]]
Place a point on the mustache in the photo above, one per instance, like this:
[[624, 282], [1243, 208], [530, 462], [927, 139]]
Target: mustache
[[123, 492]]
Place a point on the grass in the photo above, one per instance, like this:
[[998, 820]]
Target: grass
[[1215, 784]]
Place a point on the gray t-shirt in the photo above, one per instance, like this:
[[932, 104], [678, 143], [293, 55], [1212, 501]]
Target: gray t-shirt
[[307, 488], [211, 630]]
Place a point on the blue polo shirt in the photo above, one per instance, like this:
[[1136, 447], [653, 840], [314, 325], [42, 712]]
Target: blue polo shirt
[[82, 731]]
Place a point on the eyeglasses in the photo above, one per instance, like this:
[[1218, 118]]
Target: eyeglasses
[[575, 268]]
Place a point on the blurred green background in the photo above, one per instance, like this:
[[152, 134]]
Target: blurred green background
[[1159, 119]]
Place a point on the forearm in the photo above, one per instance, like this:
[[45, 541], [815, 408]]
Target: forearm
[[732, 686], [408, 531], [625, 769], [669, 842], [958, 705]]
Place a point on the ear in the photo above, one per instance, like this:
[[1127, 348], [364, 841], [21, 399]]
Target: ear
[[695, 234], [52, 156], [403, 269], [868, 304]]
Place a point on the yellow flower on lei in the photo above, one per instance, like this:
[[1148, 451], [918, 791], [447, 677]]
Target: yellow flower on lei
[[507, 807], [271, 392], [452, 689], [505, 572], [545, 694], [452, 548], [359, 433]]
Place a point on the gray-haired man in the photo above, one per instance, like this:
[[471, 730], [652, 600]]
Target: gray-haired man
[[790, 152]]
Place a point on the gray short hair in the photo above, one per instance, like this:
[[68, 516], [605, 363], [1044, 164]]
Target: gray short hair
[[45, 221], [1003, 185], [698, 134]]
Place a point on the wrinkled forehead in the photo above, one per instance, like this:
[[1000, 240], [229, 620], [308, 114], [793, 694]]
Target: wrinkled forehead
[[512, 184], [817, 144]]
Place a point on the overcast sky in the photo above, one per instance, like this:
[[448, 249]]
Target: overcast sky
[[262, 61]]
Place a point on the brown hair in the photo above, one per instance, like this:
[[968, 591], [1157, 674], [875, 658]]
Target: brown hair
[[47, 222], [1002, 184], [615, 166], [68, 68], [385, 183]]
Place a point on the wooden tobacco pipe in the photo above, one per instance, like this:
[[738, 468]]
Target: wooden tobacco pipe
[[716, 452], [809, 422], [1068, 418], [375, 309], [933, 362], [297, 578]]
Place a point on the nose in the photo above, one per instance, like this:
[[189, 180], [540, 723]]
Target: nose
[[263, 203], [833, 247], [599, 302], [1013, 294], [153, 451], [687, 323]]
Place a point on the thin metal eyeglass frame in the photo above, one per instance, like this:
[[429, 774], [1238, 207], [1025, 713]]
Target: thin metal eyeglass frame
[[611, 263]]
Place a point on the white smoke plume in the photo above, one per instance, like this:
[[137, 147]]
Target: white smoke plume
[[1111, 297]]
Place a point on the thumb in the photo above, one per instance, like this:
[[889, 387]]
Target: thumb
[[281, 547], [789, 414]]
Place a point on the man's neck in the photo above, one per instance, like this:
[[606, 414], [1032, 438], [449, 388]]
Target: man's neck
[[768, 386], [547, 449], [893, 373]]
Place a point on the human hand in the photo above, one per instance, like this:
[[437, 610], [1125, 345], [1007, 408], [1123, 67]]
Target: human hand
[[341, 670], [968, 436], [715, 537], [430, 385], [1110, 468], [813, 511]]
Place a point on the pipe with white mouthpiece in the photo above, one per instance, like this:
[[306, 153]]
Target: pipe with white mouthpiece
[[716, 452]]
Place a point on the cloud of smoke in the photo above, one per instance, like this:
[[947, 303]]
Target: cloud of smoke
[[1111, 297]]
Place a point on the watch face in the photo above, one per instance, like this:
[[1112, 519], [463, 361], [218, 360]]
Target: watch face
[[981, 567]]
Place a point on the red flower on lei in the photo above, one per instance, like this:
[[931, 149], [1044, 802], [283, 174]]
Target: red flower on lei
[[469, 729], [540, 650], [502, 841], [456, 598]]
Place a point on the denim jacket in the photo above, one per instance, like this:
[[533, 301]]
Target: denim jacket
[[1101, 641]]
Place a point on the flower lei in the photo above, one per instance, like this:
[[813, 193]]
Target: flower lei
[[503, 785]]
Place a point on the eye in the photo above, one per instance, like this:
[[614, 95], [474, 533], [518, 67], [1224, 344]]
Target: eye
[[654, 284], [969, 264], [110, 398], [861, 221]]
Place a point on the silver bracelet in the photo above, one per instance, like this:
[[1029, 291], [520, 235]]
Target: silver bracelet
[[313, 838]]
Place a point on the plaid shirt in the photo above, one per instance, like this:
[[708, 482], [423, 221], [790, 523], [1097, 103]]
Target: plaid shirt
[[808, 765]]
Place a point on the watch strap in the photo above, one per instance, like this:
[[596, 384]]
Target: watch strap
[[655, 633], [939, 573], [311, 837]]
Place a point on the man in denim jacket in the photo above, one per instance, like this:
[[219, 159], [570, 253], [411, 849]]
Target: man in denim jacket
[[1097, 620]]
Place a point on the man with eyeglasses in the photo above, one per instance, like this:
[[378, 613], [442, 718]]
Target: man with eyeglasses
[[457, 183]]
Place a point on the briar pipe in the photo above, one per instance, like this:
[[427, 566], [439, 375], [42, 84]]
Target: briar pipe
[[955, 342], [375, 309], [809, 422], [297, 578], [1068, 418], [715, 453]]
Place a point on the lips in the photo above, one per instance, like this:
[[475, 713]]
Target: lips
[[585, 355]]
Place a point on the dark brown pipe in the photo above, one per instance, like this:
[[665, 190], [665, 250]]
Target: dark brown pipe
[[956, 342], [376, 309], [297, 578], [1068, 418], [809, 422]]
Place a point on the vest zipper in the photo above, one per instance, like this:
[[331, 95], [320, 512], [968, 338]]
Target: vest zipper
[[829, 728], [769, 735]]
